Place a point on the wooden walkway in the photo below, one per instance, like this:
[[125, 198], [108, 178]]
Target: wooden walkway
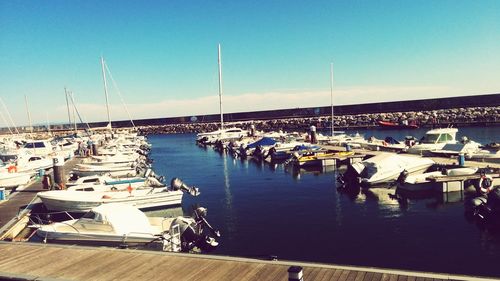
[[30, 261]]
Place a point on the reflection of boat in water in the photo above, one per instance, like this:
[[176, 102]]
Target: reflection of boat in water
[[118, 224]]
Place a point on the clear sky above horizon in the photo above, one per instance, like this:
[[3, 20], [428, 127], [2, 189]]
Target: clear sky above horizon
[[275, 54]]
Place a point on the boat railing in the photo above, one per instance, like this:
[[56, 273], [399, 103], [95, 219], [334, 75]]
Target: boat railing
[[36, 219]]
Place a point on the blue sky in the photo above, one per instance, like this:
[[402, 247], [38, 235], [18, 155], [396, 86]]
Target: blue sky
[[276, 54]]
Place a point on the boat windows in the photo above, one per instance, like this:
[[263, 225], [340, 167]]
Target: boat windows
[[429, 138], [35, 145], [445, 138], [91, 180], [90, 215], [85, 189]]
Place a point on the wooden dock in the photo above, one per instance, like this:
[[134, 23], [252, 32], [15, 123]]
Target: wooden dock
[[30, 261]]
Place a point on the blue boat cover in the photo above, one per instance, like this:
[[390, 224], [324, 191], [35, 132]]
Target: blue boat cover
[[263, 141]]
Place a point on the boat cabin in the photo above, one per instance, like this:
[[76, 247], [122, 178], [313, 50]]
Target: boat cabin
[[39, 147], [445, 135]]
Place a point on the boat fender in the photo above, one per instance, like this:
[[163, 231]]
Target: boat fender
[[485, 183]]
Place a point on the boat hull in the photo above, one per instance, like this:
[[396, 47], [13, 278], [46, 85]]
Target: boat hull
[[73, 204]]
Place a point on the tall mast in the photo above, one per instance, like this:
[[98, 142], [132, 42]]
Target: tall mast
[[105, 90], [67, 105], [48, 124], [74, 112], [331, 92], [29, 114], [9, 116], [220, 89]]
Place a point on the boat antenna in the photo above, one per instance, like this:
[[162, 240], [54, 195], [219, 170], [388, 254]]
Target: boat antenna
[[119, 94], [106, 91], [29, 114], [331, 93], [67, 105], [219, 60]]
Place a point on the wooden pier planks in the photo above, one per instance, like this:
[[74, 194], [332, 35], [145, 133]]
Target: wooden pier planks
[[30, 260]]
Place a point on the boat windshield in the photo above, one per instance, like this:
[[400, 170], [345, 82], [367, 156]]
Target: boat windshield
[[436, 138]]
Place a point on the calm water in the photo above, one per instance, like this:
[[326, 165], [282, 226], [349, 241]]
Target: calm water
[[264, 210]]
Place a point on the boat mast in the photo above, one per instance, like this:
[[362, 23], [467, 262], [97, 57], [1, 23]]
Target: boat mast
[[331, 92], [48, 124], [220, 89], [29, 114], [105, 90], [67, 105], [9, 117]]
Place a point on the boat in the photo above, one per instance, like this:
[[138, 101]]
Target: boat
[[223, 134], [91, 183], [142, 198], [39, 147], [443, 180], [13, 179], [393, 125], [385, 168], [454, 149], [320, 158], [115, 170], [118, 225], [387, 144], [433, 140]]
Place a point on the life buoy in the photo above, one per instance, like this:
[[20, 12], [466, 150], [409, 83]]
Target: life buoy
[[12, 169], [114, 188], [485, 183]]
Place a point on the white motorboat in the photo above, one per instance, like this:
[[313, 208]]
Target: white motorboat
[[221, 135], [115, 159], [118, 224], [33, 164], [387, 167], [39, 147], [142, 198], [117, 183], [115, 170], [434, 140], [387, 144], [13, 179]]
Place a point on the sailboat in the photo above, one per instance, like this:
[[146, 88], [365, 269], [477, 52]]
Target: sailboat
[[223, 135], [339, 137]]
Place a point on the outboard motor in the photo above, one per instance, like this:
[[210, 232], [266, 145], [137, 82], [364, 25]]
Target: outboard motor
[[178, 184], [154, 182], [196, 231]]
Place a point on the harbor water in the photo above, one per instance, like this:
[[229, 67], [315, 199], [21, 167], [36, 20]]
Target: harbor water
[[266, 211]]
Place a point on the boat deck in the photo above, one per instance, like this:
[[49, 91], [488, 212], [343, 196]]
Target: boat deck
[[23, 261]]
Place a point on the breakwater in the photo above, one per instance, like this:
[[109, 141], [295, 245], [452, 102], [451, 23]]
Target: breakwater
[[463, 116]]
